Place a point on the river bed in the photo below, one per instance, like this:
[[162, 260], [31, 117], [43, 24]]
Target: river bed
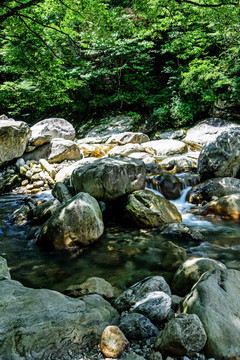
[[121, 256]]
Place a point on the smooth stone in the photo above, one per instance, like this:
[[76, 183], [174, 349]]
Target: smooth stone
[[113, 342], [155, 306], [67, 170], [216, 300], [227, 206], [126, 150], [182, 336], [128, 137], [61, 192], [78, 222], [179, 164], [191, 271], [93, 285], [133, 357], [137, 326], [165, 147], [133, 294], [109, 178], [146, 209], [48, 167]]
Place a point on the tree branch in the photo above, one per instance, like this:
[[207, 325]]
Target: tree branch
[[15, 10], [207, 5]]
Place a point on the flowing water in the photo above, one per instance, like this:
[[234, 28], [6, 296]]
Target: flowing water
[[122, 255]]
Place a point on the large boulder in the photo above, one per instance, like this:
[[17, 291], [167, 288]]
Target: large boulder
[[140, 290], [180, 163], [46, 130], [216, 301], [147, 209], [56, 151], [217, 187], [206, 131], [126, 150], [137, 326], [227, 206], [128, 137], [191, 271], [109, 178], [76, 223], [14, 137], [221, 158], [165, 147], [44, 324], [67, 170], [183, 335]]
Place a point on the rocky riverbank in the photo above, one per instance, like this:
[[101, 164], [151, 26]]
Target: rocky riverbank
[[103, 176]]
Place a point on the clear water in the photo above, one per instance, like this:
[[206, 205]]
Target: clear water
[[122, 255]]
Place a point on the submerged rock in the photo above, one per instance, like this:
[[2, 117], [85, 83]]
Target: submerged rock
[[93, 285], [147, 209], [183, 232], [76, 223], [215, 299], [190, 272], [44, 324], [109, 178], [182, 336]]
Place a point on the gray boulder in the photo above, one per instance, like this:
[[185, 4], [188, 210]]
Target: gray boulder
[[182, 336], [180, 163], [46, 130], [217, 187], [56, 151], [14, 137], [128, 137], [109, 178], [165, 147], [44, 324], [155, 306], [78, 222], [147, 209], [191, 271], [61, 192], [67, 170], [137, 326], [221, 158], [139, 290], [206, 131], [215, 299], [4, 269]]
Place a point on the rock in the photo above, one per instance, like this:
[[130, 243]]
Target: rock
[[147, 209], [183, 232], [14, 138], [46, 130], [213, 187], [146, 158], [56, 151], [180, 163], [94, 150], [49, 168], [172, 256], [206, 131], [109, 178], [113, 342], [126, 150], [44, 324], [227, 206], [215, 299], [20, 162], [156, 355], [21, 215], [8, 182], [182, 336], [165, 147], [221, 158], [4, 273], [176, 301], [128, 137], [190, 272], [45, 210], [67, 170], [155, 306], [93, 285], [61, 232], [61, 192], [168, 185], [176, 135], [133, 357], [139, 290], [137, 326]]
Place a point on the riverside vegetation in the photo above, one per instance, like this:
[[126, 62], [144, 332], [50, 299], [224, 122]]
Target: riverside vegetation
[[98, 182]]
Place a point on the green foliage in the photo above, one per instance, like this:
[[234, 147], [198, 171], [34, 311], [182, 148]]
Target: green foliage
[[168, 59]]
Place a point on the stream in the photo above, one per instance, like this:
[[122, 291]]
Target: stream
[[121, 256]]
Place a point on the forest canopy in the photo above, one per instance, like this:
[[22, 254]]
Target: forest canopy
[[170, 59]]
